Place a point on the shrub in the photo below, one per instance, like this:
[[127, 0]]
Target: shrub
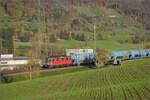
[[147, 47], [101, 59], [33, 69]]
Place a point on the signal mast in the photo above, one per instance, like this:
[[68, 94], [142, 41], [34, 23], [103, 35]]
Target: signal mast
[[95, 37]]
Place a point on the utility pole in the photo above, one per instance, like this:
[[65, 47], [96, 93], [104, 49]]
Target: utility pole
[[46, 39], [142, 44], [51, 51], [39, 31], [78, 58], [95, 36], [0, 46]]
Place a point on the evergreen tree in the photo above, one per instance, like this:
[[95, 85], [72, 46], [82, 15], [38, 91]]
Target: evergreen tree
[[77, 37], [82, 37], [6, 35], [53, 38], [73, 35]]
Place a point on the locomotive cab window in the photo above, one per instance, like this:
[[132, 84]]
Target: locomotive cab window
[[47, 59], [50, 60]]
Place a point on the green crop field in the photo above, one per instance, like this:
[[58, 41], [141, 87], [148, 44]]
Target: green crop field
[[129, 81]]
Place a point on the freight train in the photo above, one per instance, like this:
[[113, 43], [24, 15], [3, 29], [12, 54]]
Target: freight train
[[78, 56]]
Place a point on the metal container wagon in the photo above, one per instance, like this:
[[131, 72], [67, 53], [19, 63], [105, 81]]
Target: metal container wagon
[[78, 51]]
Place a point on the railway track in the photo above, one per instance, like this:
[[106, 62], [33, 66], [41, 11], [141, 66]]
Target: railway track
[[13, 73]]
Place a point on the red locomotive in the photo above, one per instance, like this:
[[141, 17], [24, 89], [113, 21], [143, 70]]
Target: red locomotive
[[53, 62]]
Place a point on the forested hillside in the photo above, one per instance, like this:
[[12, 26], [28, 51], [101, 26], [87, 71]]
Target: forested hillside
[[55, 21]]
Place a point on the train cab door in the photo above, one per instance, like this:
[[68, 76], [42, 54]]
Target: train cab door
[[50, 61]]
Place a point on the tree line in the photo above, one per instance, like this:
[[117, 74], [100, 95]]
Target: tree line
[[6, 40], [71, 35], [138, 9]]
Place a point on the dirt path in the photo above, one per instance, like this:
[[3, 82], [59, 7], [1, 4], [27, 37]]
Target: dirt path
[[65, 86], [50, 86]]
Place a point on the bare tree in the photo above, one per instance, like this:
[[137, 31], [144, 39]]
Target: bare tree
[[33, 66]]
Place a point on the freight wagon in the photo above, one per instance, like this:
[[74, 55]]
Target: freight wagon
[[118, 56], [78, 51], [14, 61]]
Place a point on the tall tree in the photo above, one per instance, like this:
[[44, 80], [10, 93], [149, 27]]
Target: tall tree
[[6, 35], [101, 59], [33, 66]]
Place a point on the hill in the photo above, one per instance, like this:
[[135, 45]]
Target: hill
[[61, 23], [127, 81]]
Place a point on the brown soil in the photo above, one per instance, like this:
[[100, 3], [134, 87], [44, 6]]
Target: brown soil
[[66, 85], [50, 86]]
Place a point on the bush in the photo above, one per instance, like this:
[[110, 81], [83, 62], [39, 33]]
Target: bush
[[147, 47], [101, 59], [33, 69]]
